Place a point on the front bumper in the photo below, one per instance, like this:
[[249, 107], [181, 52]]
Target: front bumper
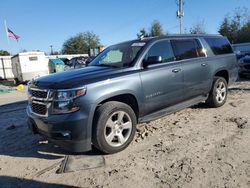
[[70, 131]]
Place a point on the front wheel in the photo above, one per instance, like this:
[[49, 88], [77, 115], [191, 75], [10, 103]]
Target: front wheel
[[218, 94], [114, 127]]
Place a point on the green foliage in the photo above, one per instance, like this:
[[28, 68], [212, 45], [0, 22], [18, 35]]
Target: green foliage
[[81, 43], [198, 28], [225, 27], [4, 53], [237, 27], [155, 30]]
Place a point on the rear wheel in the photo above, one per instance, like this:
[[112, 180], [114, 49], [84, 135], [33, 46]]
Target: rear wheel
[[218, 94], [114, 127]]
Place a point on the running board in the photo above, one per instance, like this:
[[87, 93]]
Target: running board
[[172, 109]]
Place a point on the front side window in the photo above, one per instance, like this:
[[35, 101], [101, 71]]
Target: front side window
[[120, 55], [162, 49], [187, 49]]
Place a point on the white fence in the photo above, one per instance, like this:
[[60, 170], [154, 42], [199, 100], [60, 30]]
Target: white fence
[[69, 56]]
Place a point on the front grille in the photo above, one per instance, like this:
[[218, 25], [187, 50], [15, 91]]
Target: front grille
[[247, 66], [39, 94], [38, 108]]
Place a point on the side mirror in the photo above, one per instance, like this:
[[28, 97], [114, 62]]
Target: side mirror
[[152, 60]]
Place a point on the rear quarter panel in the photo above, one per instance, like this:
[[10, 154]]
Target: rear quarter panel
[[218, 63]]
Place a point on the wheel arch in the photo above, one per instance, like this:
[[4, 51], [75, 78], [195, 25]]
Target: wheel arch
[[127, 98], [222, 73]]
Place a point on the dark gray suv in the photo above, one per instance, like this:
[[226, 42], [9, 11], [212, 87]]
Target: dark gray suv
[[129, 83]]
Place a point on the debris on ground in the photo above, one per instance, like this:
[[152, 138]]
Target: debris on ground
[[73, 163], [20, 87], [240, 121], [6, 89]]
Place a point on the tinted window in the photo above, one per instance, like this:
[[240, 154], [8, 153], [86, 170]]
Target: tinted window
[[162, 49], [186, 49], [219, 45]]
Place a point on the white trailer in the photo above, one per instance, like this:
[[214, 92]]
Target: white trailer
[[6, 68], [29, 65]]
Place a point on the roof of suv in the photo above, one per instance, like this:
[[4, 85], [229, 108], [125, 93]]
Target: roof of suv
[[151, 39]]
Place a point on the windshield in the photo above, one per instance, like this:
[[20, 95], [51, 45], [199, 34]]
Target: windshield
[[121, 55]]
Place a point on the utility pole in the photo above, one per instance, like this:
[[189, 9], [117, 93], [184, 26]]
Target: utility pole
[[180, 13], [51, 49]]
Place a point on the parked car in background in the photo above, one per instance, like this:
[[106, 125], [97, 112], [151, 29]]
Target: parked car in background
[[241, 49], [76, 63], [65, 60], [244, 66], [128, 83]]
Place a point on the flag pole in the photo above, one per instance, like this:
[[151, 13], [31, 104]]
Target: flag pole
[[6, 30]]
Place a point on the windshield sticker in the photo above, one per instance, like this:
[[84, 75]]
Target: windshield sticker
[[139, 44]]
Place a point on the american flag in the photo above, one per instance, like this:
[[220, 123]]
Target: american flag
[[11, 34]]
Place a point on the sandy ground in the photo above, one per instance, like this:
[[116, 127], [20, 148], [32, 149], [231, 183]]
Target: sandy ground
[[196, 147]]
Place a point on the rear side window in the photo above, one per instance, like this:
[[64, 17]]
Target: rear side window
[[187, 49], [219, 45], [162, 49]]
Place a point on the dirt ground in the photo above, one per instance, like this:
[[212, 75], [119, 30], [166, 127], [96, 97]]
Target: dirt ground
[[196, 147]]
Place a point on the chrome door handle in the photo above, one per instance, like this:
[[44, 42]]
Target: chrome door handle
[[203, 64], [176, 70]]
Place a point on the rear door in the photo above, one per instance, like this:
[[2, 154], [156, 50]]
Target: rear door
[[163, 82], [196, 69]]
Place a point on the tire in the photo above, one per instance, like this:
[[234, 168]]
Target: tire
[[216, 99], [114, 127]]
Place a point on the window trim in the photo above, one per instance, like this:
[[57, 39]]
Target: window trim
[[144, 53], [198, 43], [217, 37], [150, 46]]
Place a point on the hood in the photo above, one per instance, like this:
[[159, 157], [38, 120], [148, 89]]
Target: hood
[[76, 78]]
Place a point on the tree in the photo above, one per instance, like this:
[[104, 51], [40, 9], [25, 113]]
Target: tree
[[225, 27], [81, 43], [155, 30], [236, 28], [4, 53], [244, 33], [198, 28]]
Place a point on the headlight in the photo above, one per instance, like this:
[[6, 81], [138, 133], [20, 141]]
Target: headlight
[[64, 101]]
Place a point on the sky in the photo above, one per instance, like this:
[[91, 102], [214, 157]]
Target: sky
[[41, 23]]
